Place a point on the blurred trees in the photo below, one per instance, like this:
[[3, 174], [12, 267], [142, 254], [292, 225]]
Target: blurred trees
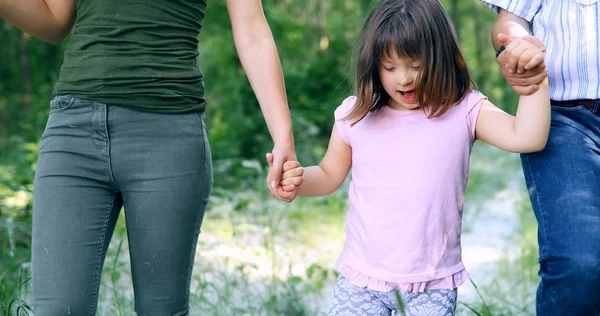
[[315, 39]]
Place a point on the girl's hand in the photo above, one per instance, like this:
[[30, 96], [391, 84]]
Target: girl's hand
[[522, 63], [293, 175], [291, 178]]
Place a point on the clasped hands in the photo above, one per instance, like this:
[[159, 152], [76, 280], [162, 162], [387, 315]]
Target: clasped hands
[[522, 63], [292, 176]]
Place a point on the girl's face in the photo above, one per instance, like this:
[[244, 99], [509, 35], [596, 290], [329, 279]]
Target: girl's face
[[398, 77]]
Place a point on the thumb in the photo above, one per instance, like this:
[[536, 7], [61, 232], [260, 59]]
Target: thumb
[[275, 172], [503, 38], [269, 157]]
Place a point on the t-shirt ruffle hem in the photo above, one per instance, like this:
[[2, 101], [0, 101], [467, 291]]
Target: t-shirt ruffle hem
[[361, 280]]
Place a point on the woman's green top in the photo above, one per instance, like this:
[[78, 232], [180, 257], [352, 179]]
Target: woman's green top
[[140, 54]]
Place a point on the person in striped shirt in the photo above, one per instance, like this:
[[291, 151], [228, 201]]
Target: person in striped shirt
[[563, 179]]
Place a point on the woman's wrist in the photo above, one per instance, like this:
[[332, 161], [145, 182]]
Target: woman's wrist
[[284, 144], [283, 136]]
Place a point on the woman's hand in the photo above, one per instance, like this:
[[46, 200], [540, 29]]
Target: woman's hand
[[291, 176]]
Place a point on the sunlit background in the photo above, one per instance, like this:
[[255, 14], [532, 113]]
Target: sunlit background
[[258, 256]]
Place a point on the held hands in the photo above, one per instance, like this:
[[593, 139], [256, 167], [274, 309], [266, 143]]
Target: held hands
[[291, 177], [279, 156], [522, 63]]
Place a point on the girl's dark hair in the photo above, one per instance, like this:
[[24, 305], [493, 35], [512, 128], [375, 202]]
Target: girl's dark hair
[[416, 29]]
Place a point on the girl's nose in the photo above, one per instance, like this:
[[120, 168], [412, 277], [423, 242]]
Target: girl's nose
[[404, 79]]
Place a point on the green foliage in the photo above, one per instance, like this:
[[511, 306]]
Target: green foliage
[[315, 39]]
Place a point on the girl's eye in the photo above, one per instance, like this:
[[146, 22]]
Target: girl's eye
[[415, 67], [388, 68]]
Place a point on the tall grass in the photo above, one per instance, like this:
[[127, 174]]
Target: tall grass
[[258, 256]]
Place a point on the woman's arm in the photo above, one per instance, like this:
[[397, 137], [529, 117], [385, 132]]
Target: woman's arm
[[258, 54], [48, 20], [523, 133]]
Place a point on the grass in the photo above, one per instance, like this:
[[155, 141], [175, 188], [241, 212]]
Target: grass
[[258, 256], [14, 272]]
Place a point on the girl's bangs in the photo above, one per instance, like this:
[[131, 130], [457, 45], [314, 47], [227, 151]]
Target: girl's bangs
[[396, 36]]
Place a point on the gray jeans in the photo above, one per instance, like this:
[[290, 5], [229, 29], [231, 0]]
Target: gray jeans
[[95, 158]]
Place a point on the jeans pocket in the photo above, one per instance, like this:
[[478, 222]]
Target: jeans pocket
[[567, 108], [61, 102], [207, 151]]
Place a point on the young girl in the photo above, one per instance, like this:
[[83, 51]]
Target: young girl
[[407, 136]]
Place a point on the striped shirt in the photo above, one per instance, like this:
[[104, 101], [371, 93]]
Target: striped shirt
[[570, 31]]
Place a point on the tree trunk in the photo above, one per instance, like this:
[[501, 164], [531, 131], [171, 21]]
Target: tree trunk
[[26, 87], [455, 16]]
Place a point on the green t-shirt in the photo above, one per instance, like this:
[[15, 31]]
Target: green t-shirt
[[139, 54]]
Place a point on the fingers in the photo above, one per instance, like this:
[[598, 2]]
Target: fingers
[[520, 54], [269, 157], [527, 78], [289, 188], [503, 38], [295, 172], [284, 177], [525, 58], [283, 195], [293, 182], [523, 84], [536, 42], [292, 175], [525, 90], [536, 61], [289, 165], [541, 76], [515, 53], [275, 171]]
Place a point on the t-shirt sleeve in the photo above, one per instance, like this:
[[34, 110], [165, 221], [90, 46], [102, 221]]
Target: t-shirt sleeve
[[526, 9], [473, 103], [343, 125]]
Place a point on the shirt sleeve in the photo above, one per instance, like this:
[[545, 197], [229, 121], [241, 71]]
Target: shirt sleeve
[[343, 125], [473, 104], [527, 9]]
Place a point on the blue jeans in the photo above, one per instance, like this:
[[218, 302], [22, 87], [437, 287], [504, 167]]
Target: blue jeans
[[564, 186], [95, 158]]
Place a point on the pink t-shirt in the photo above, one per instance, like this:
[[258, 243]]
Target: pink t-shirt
[[409, 175]]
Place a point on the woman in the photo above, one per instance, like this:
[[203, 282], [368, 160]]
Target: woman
[[126, 128]]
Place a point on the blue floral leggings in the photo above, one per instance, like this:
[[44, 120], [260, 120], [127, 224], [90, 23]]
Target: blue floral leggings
[[351, 300]]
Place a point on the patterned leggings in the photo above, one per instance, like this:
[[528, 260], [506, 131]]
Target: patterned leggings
[[351, 300]]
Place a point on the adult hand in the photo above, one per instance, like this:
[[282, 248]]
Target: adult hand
[[287, 193], [522, 63]]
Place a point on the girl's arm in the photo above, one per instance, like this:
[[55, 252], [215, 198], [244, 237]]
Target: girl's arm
[[258, 55], [526, 132], [48, 20], [331, 172]]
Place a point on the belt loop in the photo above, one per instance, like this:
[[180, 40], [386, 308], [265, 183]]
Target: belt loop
[[596, 106]]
